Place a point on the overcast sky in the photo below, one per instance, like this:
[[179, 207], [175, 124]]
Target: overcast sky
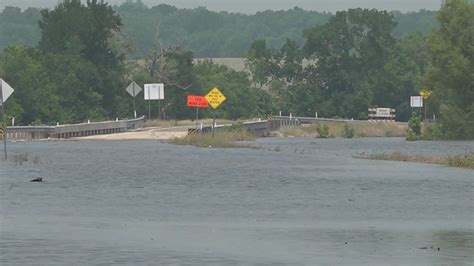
[[252, 6]]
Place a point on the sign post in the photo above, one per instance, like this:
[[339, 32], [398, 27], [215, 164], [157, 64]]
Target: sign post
[[198, 102], [154, 91], [215, 98], [5, 92], [416, 102], [133, 89], [425, 93]]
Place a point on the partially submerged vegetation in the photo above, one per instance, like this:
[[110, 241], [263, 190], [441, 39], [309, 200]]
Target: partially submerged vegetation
[[21, 158], [463, 160], [224, 139], [418, 130], [349, 129], [175, 123]]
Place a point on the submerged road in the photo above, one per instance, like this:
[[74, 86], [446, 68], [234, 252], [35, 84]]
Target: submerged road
[[288, 201]]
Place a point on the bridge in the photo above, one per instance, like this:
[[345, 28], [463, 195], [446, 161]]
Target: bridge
[[73, 130], [262, 128]]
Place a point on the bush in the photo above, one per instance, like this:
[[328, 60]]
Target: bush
[[414, 124], [463, 160], [349, 132], [323, 130], [433, 131], [414, 127]]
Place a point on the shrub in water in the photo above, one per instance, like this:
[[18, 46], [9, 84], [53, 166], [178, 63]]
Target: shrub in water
[[323, 130], [414, 124], [349, 132], [414, 127]]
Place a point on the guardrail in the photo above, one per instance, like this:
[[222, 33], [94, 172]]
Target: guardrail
[[306, 120], [259, 128], [73, 130], [29, 132]]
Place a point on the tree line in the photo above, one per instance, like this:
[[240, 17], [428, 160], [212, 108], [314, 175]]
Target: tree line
[[206, 33], [353, 62], [80, 67]]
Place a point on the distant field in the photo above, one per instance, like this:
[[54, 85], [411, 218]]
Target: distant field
[[237, 64]]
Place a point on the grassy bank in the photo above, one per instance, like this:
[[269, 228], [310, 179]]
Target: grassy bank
[[175, 123], [225, 139], [463, 160], [350, 129]]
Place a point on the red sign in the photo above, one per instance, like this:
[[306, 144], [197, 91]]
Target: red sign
[[197, 101]]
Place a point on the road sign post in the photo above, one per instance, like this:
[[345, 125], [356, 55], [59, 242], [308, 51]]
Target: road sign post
[[215, 98], [197, 102], [133, 89], [425, 93], [213, 122], [154, 91], [5, 92], [416, 102], [2, 123]]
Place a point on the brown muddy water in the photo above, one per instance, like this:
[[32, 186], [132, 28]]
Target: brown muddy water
[[292, 201]]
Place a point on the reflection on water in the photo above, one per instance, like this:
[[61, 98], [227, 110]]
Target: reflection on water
[[308, 202]]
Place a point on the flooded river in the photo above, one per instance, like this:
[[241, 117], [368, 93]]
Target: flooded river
[[290, 201]]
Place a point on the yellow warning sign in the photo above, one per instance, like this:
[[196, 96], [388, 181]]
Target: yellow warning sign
[[2, 131], [215, 97], [425, 93]]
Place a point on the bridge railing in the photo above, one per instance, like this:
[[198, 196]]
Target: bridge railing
[[261, 128], [73, 130]]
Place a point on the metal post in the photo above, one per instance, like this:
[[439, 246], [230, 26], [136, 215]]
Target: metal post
[[213, 122], [3, 124], [149, 105], [159, 110], [134, 109], [197, 117], [425, 109]]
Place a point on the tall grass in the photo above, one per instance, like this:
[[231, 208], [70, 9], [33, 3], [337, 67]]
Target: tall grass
[[224, 139], [174, 123], [463, 160], [348, 129], [21, 158]]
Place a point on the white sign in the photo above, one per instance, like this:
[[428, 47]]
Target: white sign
[[7, 90], [133, 89], [416, 101], [382, 112], [154, 91]]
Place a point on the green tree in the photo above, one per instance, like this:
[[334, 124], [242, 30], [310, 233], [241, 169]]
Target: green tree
[[349, 53], [405, 63], [261, 63], [35, 99], [242, 100], [451, 72], [87, 32], [19, 27]]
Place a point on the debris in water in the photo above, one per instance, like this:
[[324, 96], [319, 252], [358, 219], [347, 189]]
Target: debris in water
[[38, 179]]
